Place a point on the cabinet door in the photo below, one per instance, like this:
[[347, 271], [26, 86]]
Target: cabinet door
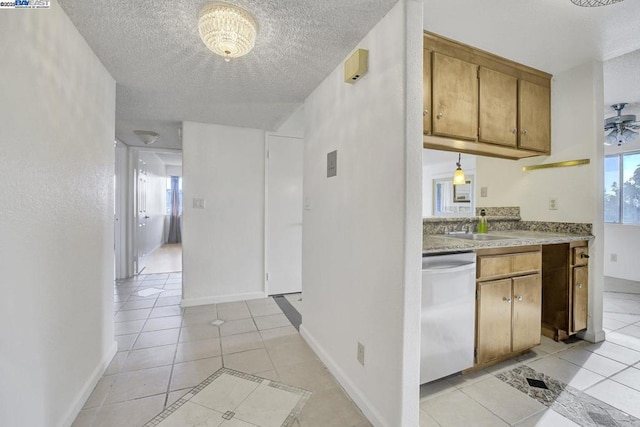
[[454, 97], [580, 298], [534, 122], [494, 320], [527, 312], [426, 96], [498, 108]]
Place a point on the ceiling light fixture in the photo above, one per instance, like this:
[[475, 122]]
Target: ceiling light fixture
[[227, 30], [458, 175], [147, 136], [594, 3]]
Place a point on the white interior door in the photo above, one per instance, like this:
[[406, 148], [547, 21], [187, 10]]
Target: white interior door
[[142, 217], [284, 215]]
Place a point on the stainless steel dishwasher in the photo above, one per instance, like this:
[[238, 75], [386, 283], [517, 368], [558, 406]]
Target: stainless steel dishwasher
[[448, 314]]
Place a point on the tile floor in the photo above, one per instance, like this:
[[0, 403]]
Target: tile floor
[[600, 376], [165, 351]]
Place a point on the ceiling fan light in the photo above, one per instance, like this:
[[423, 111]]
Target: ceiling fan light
[[594, 3], [628, 135], [612, 138], [227, 30]]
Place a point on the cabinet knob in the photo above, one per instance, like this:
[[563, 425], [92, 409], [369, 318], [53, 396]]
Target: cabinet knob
[[440, 115], [514, 131], [507, 299], [524, 132], [519, 297], [579, 285], [425, 113]]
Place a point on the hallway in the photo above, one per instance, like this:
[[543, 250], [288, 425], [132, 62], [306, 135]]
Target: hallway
[[165, 259], [165, 351]]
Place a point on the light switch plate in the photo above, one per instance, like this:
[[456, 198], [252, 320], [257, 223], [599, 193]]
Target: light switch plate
[[198, 203], [332, 163]]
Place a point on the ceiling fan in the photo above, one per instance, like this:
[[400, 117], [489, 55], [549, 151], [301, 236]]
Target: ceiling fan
[[620, 126]]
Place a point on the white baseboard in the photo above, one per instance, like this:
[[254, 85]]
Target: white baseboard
[[190, 302], [367, 408], [89, 385]]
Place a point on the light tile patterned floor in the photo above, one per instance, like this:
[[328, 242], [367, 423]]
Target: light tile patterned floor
[[165, 351], [600, 382], [234, 398]]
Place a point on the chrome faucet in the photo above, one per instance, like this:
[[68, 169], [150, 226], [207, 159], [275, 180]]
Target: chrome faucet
[[459, 228]]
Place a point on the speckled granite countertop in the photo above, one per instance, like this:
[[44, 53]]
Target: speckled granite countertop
[[437, 243]]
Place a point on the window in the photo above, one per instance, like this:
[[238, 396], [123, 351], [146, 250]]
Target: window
[[169, 196], [622, 188]]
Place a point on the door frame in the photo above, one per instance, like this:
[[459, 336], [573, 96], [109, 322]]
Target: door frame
[[121, 192], [132, 218]]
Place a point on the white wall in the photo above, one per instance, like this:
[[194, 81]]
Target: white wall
[[624, 241], [171, 170], [362, 228], [223, 244], [57, 134], [576, 108], [156, 200]]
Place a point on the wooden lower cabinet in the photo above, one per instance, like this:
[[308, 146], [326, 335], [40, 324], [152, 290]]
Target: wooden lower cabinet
[[565, 289], [527, 312], [508, 317], [494, 320], [509, 302]]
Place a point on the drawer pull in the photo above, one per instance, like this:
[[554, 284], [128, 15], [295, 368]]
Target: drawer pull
[[583, 255], [579, 285], [507, 299]]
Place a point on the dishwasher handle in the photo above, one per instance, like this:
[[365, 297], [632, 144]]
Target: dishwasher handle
[[451, 269]]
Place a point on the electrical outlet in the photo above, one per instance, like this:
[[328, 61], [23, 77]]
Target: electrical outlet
[[614, 258], [361, 353], [483, 191], [553, 204]]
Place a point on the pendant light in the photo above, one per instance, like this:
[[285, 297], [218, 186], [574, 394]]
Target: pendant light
[[458, 175]]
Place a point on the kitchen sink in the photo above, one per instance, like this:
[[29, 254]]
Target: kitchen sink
[[478, 236]]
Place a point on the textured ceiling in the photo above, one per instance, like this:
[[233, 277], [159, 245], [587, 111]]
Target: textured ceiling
[[551, 35], [166, 75]]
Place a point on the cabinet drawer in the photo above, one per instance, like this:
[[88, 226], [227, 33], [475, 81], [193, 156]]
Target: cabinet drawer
[[580, 255], [509, 264]]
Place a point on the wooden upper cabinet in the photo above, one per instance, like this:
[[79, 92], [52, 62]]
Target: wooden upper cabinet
[[534, 105], [454, 97], [426, 99], [479, 103], [498, 109]]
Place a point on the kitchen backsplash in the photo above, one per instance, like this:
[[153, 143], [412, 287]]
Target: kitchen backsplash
[[501, 219]]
